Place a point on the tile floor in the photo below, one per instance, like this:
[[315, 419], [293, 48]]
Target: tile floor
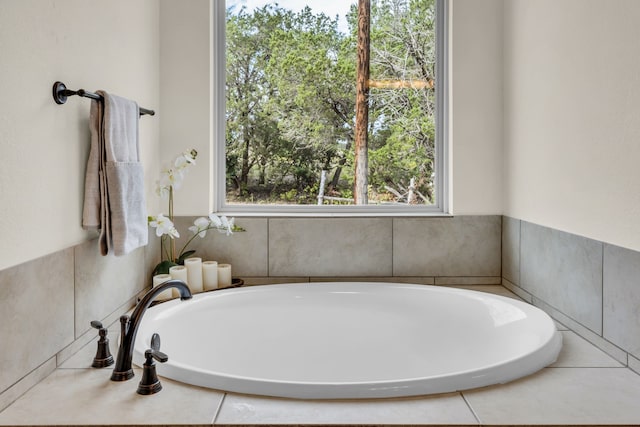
[[585, 386]]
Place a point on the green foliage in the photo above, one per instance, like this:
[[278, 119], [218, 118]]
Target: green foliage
[[163, 267], [291, 101]]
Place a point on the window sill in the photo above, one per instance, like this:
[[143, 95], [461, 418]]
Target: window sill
[[331, 211]]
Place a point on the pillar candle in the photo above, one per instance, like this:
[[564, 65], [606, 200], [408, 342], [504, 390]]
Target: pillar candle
[[224, 275], [159, 279], [210, 275], [178, 272], [194, 273]]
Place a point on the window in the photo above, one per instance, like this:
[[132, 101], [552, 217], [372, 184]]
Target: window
[[286, 107]]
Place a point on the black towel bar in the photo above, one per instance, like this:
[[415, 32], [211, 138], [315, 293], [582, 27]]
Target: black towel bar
[[60, 94]]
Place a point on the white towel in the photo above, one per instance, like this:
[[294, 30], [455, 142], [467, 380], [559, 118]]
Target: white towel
[[114, 182]]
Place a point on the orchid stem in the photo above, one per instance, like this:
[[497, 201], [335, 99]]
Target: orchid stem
[[172, 243]]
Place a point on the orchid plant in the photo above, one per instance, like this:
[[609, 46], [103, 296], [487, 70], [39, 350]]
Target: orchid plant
[[170, 180]]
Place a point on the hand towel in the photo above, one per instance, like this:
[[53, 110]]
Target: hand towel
[[114, 181]]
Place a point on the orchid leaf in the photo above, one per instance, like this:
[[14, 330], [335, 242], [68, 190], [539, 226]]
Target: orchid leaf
[[163, 267], [184, 256]]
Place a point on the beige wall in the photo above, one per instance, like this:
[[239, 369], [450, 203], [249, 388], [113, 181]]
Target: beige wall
[[87, 44], [572, 116], [185, 64], [476, 106]]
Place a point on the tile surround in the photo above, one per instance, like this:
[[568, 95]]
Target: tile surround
[[76, 285], [590, 286], [330, 246], [441, 409], [10, 395], [36, 314], [526, 296], [371, 248], [564, 270], [511, 249], [559, 396], [584, 387], [246, 251], [55, 298], [67, 390], [621, 295], [586, 333], [526, 243], [458, 246], [582, 354], [101, 285], [634, 364]]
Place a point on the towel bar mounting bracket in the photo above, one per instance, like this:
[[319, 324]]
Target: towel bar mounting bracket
[[60, 93]]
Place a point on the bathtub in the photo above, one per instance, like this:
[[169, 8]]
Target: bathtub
[[348, 340]]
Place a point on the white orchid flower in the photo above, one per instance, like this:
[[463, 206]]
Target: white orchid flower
[[200, 226], [162, 190], [180, 163], [186, 159], [215, 220], [226, 225], [163, 225], [190, 156], [230, 225]]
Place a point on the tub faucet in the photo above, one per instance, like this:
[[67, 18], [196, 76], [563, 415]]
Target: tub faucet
[[129, 327]]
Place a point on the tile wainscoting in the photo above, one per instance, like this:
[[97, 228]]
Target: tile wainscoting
[[590, 286], [46, 304], [438, 249]]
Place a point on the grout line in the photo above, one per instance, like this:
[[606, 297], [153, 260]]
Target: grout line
[[215, 416], [15, 391], [75, 332], [586, 367], [393, 267], [25, 376], [519, 254], [602, 294], [470, 408], [501, 247], [585, 337]]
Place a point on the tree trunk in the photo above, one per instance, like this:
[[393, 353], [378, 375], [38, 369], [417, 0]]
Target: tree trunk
[[336, 175], [362, 105], [244, 171]]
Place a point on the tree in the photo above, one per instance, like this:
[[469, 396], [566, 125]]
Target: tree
[[291, 101], [250, 132], [311, 72], [403, 52], [360, 189]]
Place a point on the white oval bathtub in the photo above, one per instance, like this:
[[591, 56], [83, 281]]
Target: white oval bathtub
[[348, 340]]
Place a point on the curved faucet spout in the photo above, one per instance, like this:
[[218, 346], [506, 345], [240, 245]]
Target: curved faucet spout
[[129, 327]]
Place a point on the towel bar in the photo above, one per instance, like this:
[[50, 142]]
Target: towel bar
[[60, 94]]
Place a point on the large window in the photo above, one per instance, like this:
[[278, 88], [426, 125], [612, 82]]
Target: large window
[[291, 90]]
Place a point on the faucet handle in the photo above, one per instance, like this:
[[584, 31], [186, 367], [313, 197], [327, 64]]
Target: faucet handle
[[96, 324], [103, 356], [154, 354], [155, 341], [150, 384], [155, 350]]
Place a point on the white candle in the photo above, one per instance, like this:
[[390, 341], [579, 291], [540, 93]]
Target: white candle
[[194, 274], [178, 272], [159, 279], [224, 275], [210, 275]]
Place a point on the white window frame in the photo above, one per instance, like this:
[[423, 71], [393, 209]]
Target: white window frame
[[441, 179]]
